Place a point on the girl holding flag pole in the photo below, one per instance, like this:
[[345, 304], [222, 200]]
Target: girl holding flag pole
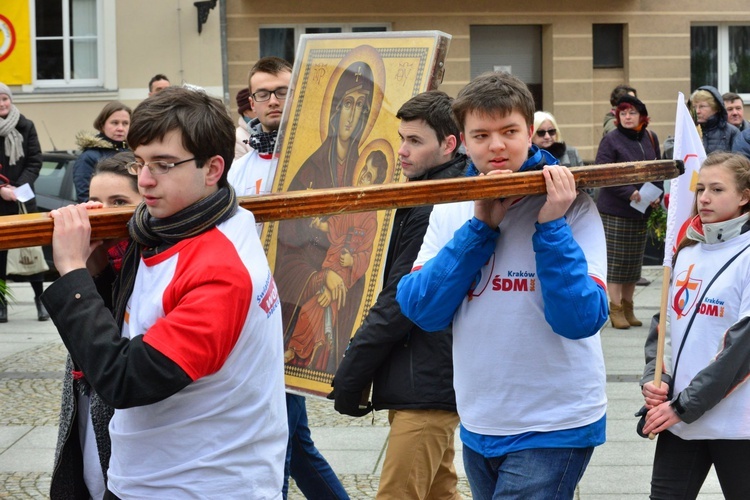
[[702, 412]]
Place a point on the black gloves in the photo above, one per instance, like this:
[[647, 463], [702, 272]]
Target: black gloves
[[349, 403]]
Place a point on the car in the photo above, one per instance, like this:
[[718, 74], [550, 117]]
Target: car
[[54, 188]]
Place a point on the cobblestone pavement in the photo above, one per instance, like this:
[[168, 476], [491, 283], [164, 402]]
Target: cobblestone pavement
[[32, 359], [30, 385]]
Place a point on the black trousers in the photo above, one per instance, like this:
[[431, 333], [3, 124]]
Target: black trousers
[[681, 467]]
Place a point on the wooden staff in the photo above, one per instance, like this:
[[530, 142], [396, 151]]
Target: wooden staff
[[36, 229]]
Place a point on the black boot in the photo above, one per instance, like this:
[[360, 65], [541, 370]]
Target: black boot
[[3, 312], [40, 310]]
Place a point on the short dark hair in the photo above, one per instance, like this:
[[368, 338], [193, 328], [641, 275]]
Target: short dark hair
[[620, 91], [271, 64], [492, 94], [156, 78], [107, 111], [380, 162], [730, 96], [205, 125], [117, 164], [434, 107]]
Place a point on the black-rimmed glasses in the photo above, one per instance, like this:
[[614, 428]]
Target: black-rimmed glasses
[[264, 95], [155, 167]]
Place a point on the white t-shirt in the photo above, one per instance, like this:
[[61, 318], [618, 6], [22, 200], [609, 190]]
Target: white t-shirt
[[209, 304], [727, 302], [507, 360]]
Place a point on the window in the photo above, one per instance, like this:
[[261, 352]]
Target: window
[[607, 39], [282, 41], [720, 56], [67, 43]]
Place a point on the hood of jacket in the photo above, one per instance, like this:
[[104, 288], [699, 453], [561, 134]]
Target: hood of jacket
[[723, 115], [88, 140]]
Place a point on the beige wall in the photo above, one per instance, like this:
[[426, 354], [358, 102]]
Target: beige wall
[[162, 37], [152, 37], [657, 46]]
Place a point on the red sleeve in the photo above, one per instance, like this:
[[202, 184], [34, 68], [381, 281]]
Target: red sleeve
[[206, 306]]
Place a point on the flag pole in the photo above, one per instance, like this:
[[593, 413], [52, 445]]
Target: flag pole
[[662, 329], [688, 147]]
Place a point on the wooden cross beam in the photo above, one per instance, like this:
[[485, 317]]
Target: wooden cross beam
[[36, 229]]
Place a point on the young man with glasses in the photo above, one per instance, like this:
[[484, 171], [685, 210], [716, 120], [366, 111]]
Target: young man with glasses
[[253, 174], [268, 83], [192, 359]]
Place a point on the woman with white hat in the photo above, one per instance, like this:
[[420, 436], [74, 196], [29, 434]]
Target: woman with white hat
[[20, 161]]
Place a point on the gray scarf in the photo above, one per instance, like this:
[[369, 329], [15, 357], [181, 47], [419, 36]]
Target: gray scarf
[[13, 138]]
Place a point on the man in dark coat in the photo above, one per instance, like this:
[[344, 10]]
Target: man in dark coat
[[411, 370]]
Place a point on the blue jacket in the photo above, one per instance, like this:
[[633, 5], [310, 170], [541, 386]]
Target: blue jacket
[[431, 295]]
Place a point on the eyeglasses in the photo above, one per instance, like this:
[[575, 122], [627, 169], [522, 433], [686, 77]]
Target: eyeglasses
[[264, 95], [154, 167], [541, 133]]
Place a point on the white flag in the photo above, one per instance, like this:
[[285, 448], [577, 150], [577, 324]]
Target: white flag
[[688, 147]]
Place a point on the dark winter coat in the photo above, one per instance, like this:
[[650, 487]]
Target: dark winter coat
[[67, 474], [26, 169], [742, 143], [409, 368], [718, 133], [623, 145], [94, 148]]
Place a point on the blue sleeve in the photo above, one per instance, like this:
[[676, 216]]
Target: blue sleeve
[[575, 305], [83, 170], [430, 296]]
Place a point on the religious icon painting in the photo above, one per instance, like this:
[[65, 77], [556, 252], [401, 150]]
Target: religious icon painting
[[339, 129]]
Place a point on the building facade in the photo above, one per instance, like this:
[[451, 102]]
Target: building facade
[[571, 53]]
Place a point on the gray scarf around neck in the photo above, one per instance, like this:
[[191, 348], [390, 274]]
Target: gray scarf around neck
[[13, 138]]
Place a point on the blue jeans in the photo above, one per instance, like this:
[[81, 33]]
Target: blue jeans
[[542, 473], [311, 472]]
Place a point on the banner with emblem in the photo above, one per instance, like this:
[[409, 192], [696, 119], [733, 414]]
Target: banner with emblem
[[688, 147], [339, 128], [15, 43]]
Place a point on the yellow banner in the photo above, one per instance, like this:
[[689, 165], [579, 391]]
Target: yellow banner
[[15, 43]]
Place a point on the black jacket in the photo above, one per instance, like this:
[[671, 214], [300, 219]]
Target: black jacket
[[26, 169], [718, 133], [408, 367]]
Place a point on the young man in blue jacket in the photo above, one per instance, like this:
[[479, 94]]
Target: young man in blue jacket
[[410, 369], [523, 281]]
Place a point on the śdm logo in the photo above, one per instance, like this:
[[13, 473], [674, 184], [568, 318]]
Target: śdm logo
[[7, 38], [686, 292]]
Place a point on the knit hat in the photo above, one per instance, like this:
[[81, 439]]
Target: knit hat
[[628, 100], [243, 101], [5, 90]]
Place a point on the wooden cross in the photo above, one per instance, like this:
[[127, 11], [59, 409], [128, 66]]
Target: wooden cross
[[25, 230]]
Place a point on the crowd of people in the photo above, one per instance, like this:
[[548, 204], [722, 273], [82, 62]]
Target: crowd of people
[[173, 391]]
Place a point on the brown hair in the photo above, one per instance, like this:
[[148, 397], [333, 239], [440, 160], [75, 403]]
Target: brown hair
[[739, 166], [620, 91], [494, 94], [434, 107], [203, 121], [108, 110], [271, 65], [118, 164]]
